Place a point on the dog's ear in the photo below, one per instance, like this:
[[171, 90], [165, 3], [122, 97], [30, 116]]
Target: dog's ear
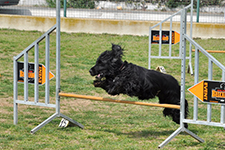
[[117, 51]]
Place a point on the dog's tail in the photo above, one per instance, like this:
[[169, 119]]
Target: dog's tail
[[175, 114]]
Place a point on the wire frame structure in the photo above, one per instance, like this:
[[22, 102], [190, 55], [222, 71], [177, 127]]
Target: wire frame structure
[[142, 10]]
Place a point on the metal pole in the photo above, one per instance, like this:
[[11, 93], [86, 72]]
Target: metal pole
[[149, 47], [160, 39], [36, 70], [190, 47], [57, 56], [222, 117], [58, 114], [183, 54], [15, 89], [209, 105], [195, 113], [182, 103], [170, 42], [26, 76], [47, 69], [182, 97], [64, 7], [197, 11]]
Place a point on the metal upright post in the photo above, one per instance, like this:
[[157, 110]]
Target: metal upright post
[[26, 77], [36, 70], [65, 7], [195, 110], [57, 56], [15, 92], [209, 105], [149, 47], [222, 117], [47, 69], [182, 103], [183, 66], [58, 68], [198, 3], [183, 52], [190, 47], [57, 113]]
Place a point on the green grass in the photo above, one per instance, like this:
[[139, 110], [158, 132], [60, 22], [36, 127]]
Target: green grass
[[107, 125]]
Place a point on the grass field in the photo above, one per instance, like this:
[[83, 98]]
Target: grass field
[[107, 125]]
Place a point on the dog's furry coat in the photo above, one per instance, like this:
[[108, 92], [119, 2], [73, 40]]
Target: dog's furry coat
[[116, 76]]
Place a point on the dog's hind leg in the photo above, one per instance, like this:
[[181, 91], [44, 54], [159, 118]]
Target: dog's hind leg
[[168, 98], [175, 114]]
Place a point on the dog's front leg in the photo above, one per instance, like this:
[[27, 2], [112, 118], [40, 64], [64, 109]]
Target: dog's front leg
[[115, 87], [112, 91]]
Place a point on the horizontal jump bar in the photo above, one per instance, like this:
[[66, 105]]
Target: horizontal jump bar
[[212, 51], [118, 101]]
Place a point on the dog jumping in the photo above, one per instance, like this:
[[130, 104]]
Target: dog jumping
[[116, 77]]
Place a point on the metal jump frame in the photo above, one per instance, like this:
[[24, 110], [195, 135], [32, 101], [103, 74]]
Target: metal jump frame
[[182, 49], [211, 60], [24, 53], [170, 19]]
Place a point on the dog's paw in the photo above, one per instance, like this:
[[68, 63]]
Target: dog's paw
[[97, 83], [112, 91]]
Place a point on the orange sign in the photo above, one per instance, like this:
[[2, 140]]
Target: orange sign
[[31, 73], [209, 91], [198, 90], [175, 38], [42, 75]]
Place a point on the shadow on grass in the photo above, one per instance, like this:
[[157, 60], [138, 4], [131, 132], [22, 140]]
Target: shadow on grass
[[138, 134], [145, 133]]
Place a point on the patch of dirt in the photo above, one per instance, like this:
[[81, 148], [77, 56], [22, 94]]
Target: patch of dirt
[[4, 103]]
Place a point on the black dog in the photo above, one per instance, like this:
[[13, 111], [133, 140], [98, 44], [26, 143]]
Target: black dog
[[116, 76]]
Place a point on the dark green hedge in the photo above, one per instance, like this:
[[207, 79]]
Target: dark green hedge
[[169, 3], [73, 3], [176, 3]]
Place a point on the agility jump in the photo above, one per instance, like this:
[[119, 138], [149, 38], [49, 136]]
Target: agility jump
[[57, 113], [118, 101]]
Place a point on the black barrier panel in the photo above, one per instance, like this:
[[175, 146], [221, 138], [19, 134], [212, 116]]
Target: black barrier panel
[[155, 38], [31, 73], [216, 91], [209, 91]]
